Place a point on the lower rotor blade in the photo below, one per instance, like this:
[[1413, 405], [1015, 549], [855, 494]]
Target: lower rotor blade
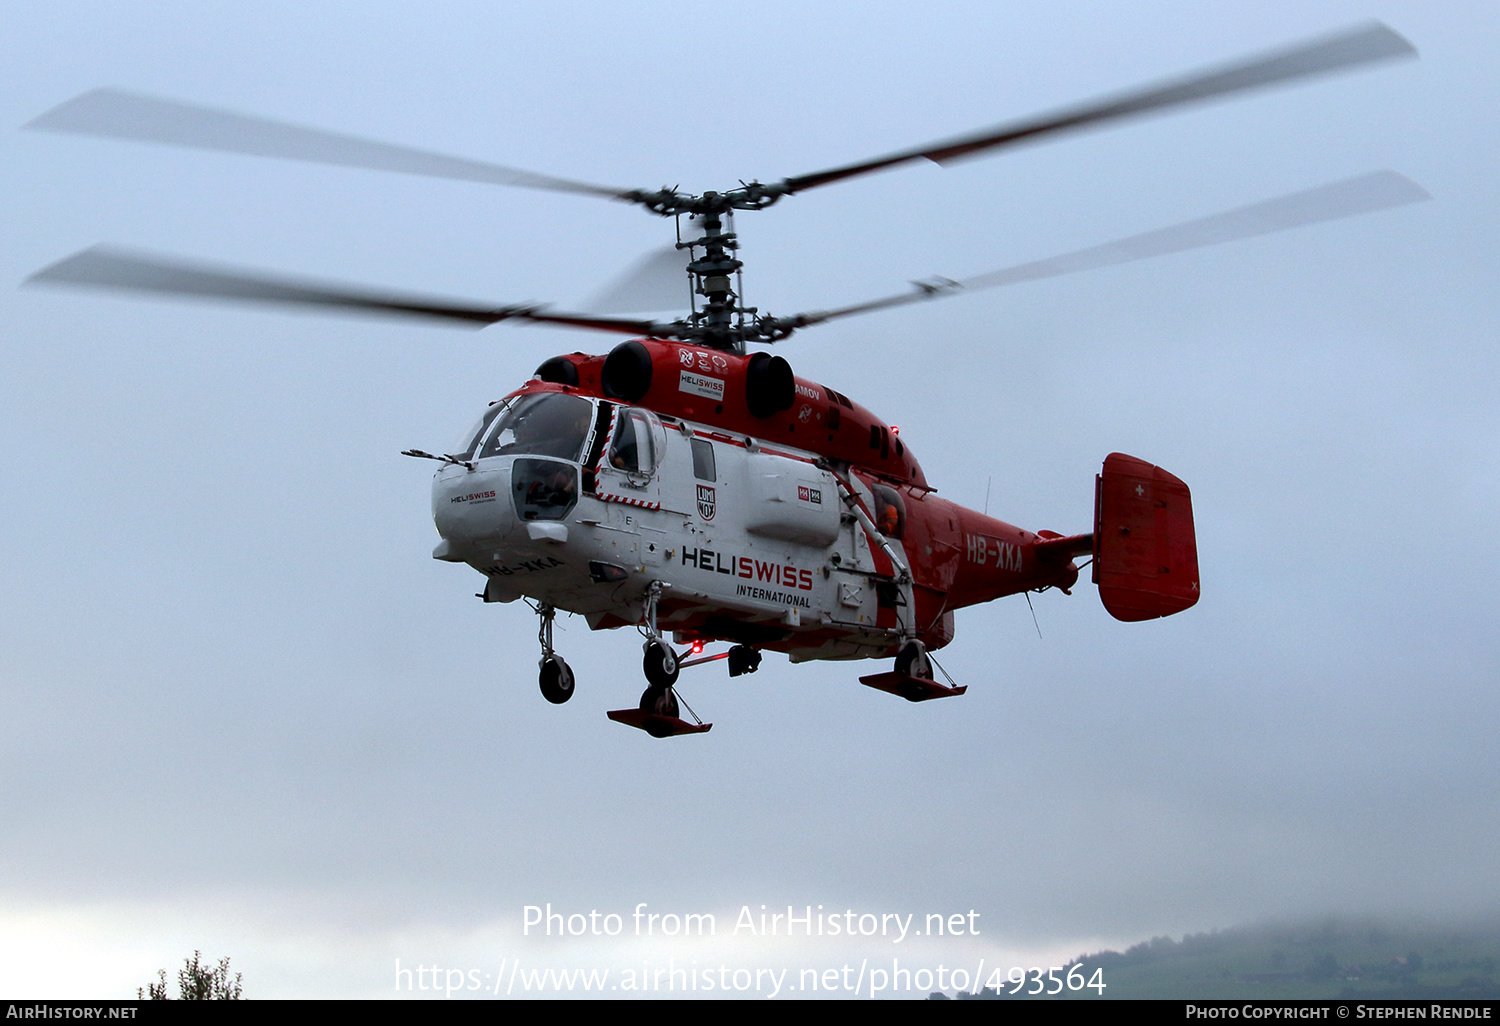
[[106, 268], [1362, 195], [1365, 194]]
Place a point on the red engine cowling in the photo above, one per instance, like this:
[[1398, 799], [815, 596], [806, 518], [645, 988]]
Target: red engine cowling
[[1145, 551], [755, 395]]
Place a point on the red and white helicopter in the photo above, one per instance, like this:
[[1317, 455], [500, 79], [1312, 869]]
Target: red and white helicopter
[[684, 485]]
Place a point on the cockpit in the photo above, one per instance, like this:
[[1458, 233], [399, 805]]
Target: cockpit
[[558, 440], [541, 424]]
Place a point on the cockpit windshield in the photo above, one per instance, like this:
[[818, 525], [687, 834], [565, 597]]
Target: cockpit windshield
[[470, 441], [546, 424]]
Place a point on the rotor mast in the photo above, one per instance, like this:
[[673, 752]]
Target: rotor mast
[[711, 276], [721, 323]]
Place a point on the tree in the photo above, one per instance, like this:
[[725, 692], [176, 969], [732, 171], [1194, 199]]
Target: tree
[[196, 981]]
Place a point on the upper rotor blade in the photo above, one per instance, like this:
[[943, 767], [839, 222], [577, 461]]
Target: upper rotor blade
[[1364, 194], [103, 267], [116, 113], [1348, 49]]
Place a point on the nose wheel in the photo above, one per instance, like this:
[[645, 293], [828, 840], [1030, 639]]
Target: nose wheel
[[555, 676], [556, 679]]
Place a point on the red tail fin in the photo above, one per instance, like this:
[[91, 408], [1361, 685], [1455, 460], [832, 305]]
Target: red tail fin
[[1145, 553]]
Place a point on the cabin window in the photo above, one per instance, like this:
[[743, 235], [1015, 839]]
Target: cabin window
[[703, 460], [545, 424], [630, 450], [890, 511]]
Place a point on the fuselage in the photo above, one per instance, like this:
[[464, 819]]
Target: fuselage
[[780, 519]]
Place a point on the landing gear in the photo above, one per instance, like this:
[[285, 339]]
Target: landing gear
[[659, 702], [913, 661], [555, 676], [657, 713], [556, 680], [658, 716], [912, 678], [660, 665]]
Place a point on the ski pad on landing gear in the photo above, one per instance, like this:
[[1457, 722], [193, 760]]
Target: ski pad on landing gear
[[913, 689], [656, 724]]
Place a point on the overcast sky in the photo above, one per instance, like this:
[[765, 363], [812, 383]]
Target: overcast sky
[[246, 712]]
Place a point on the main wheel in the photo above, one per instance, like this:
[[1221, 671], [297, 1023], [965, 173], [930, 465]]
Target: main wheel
[[660, 665], [556, 680], [661, 701], [912, 661]]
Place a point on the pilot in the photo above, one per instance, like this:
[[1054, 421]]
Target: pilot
[[552, 425], [890, 518], [582, 417], [623, 453], [559, 488]]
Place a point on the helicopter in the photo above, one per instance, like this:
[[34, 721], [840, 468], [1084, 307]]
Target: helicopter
[[701, 492]]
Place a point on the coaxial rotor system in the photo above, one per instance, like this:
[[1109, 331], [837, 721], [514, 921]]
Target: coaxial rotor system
[[721, 322]]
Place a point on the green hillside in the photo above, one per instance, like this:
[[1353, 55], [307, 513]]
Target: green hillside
[[1325, 960]]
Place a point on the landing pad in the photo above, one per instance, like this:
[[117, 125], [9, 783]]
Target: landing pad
[[656, 724], [913, 689]]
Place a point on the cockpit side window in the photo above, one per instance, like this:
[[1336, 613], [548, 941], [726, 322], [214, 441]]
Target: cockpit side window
[[631, 450], [547, 424]]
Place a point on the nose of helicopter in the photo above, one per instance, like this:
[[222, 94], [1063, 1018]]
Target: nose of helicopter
[[472, 507]]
